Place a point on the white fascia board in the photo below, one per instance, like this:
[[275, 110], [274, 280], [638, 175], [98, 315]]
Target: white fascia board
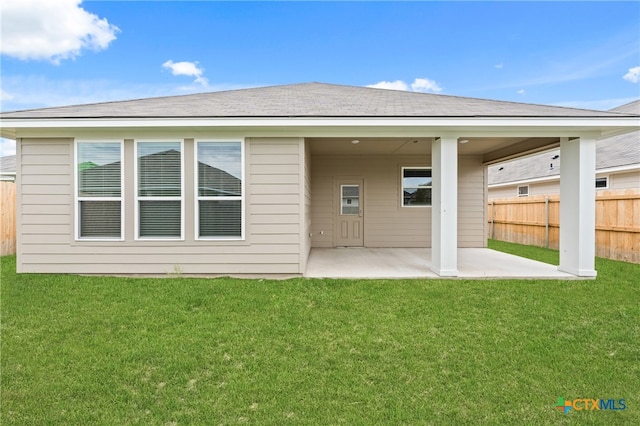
[[581, 124], [525, 181], [619, 169]]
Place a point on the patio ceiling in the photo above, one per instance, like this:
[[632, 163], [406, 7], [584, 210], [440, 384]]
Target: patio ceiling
[[490, 148]]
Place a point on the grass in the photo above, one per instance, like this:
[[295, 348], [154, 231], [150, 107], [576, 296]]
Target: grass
[[173, 351]]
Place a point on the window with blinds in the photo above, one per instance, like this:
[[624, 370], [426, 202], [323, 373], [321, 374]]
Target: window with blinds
[[416, 186], [219, 195], [159, 190], [99, 190]]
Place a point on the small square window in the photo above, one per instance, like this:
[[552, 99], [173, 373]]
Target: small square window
[[523, 191], [416, 187], [602, 183]]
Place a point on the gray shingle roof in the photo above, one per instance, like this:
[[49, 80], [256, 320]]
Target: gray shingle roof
[[8, 164], [307, 100], [614, 151]]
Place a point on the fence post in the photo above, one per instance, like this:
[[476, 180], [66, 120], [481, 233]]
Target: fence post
[[546, 222], [493, 215]]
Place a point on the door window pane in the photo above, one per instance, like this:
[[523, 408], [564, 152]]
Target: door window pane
[[350, 204]]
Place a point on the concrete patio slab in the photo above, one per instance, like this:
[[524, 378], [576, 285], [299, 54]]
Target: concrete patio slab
[[415, 263]]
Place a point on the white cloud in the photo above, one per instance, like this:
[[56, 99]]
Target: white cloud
[[418, 85], [425, 85], [390, 85], [7, 147], [4, 96], [521, 92], [633, 75], [51, 30], [499, 66], [191, 69]]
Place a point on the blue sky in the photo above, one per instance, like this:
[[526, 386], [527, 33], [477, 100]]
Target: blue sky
[[580, 54]]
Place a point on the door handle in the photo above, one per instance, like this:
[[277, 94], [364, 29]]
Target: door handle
[[360, 213]]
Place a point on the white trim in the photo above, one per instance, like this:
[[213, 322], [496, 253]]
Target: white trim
[[136, 207], [584, 123], [619, 169], [77, 199], [197, 198], [402, 169], [341, 126]]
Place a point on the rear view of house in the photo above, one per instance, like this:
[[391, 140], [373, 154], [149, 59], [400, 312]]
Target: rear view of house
[[250, 181]]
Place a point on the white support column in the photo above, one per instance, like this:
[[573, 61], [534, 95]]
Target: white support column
[[444, 211], [578, 206]]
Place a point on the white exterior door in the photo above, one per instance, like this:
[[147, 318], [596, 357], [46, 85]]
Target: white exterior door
[[350, 213]]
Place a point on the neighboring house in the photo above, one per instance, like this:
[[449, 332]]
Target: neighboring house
[[617, 167], [8, 168], [249, 181]]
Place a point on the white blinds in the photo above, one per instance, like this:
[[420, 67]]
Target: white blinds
[[219, 189], [99, 190], [159, 175]]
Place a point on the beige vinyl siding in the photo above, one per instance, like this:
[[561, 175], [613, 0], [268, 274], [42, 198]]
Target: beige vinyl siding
[[629, 180], [386, 222], [471, 202], [272, 217], [44, 198]]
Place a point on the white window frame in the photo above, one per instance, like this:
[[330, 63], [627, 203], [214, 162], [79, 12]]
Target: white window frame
[[402, 169], [197, 198], [137, 198], [518, 190], [78, 199], [606, 177]]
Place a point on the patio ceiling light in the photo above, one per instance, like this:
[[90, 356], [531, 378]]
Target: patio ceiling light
[[355, 141], [463, 141]]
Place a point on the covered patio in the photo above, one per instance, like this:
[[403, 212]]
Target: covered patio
[[399, 263]]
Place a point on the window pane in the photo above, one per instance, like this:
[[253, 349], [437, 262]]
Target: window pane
[[416, 187], [417, 173], [417, 196], [99, 169], [601, 182], [100, 219], [219, 169], [160, 218], [159, 169], [220, 218], [350, 200], [415, 182]]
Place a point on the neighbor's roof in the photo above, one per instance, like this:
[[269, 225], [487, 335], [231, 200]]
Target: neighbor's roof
[[614, 151], [8, 164], [307, 100]]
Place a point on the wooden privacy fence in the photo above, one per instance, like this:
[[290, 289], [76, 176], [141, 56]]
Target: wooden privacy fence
[[8, 212], [536, 221]]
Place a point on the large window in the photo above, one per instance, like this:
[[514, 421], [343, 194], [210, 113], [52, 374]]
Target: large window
[[416, 186], [159, 190], [99, 190], [219, 197]]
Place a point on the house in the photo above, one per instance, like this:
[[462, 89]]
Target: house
[[8, 168], [250, 181], [617, 167]]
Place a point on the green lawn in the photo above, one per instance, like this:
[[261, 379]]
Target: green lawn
[[177, 351]]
